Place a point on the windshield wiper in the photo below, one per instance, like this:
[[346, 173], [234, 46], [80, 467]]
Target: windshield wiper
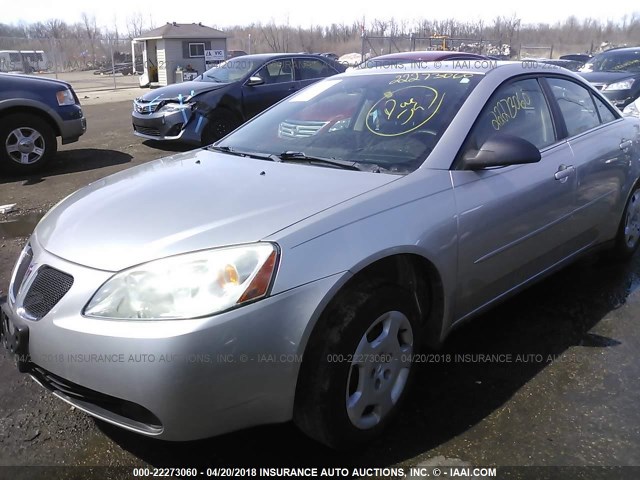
[[300, 157], [239, 153]]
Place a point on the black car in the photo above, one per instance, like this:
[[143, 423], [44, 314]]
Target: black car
[[616, 73], [222, 98], [577, 57], [33, 112], [572, 65]]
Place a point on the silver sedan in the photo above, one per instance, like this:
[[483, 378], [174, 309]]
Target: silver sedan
[[294, 269]]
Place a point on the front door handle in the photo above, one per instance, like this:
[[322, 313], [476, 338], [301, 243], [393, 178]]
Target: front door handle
[[625, 144], [563, 172]]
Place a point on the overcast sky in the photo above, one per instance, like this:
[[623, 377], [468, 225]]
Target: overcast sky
[[224, 13]]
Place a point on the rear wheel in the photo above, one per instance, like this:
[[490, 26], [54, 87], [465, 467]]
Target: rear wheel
[[357, 367], [628, 238], [27, 142]]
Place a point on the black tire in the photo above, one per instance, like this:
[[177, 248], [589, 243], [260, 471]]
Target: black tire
[[332, 388], [628, 237], [220, 124], [37, 147]]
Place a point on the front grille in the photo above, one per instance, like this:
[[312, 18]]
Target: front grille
[[153, 132], [49, 286], [299, 129], [599, 86], [21, 269]]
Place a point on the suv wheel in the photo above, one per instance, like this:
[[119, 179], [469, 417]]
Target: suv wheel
[[27, 142]]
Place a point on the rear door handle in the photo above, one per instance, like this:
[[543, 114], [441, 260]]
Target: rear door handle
[[625, 144], [563, 172]]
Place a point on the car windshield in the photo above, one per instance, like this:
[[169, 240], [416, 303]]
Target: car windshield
[[388, 121], [229, 71], [628, 61]]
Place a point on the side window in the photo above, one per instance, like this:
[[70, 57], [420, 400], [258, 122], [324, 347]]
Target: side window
[[576, 105], [279, 71], [309, 68], [606, 115], [518, 108]]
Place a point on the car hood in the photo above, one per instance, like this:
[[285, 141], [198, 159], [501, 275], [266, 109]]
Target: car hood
[[606, 77], [191, 201], [186, 89], [36, 81]]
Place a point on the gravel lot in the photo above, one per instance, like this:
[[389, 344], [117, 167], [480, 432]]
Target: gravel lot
[[571, 399]]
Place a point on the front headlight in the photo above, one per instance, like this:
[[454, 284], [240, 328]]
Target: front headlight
[[175, 107], [622, 85], [65, 97], [187, 286]]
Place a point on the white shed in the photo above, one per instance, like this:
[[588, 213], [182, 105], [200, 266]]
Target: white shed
[[179, 45]]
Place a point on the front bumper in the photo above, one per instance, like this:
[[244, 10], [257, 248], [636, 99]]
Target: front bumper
[[176, 380], [182, 125], [71, 129]]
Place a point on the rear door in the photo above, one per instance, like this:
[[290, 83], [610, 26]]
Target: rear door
[[601, 143]]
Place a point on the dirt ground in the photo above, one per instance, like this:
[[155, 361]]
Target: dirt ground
[[571, 399]]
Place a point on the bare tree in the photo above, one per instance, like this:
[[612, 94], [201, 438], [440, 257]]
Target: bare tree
[[93, 33], [135, 25]]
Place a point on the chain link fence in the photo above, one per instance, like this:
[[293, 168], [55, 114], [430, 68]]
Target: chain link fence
[[96, 64], [379, 45]]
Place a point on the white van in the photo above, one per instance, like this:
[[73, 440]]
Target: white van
[[26, 61]]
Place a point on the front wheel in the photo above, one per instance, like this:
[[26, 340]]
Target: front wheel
[[27, 142], [220, 124], [357, 367]]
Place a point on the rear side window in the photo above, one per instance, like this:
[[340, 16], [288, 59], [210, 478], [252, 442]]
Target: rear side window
[[517, 108], [606, 115], [576, 105], [309, 68]]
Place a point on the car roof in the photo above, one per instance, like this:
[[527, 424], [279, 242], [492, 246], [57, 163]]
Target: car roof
[[621, 49], [425, 55], [488, 67], [261, 57]]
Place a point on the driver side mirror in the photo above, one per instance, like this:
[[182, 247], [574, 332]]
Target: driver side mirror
[[501, 150], [253, 81]]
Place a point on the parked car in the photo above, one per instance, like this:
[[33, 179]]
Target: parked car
[[417, 58], [268, 278], [123, 68], [235, 53], [616, 73], [572, 65], [33, 112], [633, 109], [577, 57], [207, 108]]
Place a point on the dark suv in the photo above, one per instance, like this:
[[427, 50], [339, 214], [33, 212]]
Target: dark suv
[[222, 98], [33, 112], [616, 73]]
